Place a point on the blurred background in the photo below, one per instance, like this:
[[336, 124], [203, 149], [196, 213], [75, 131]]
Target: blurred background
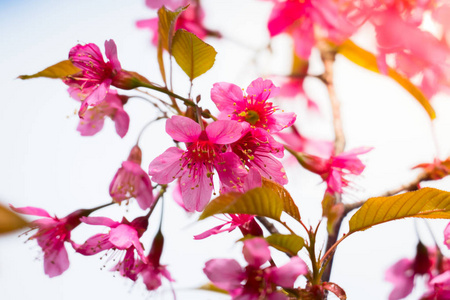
[[44, 161]]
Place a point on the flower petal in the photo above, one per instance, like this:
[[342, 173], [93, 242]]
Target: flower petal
[[286, 275], [56, 261], [166, 167], [30, 210], [95, 244], [256, 251], [225, 95], [224, 132], [226, 274], [261, 89], [183, 129], [111, 54]]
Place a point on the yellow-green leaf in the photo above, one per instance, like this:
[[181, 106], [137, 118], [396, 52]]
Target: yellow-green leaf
[[192, 54], [289, 206], [289, 243], [59, 70], [368, 61], [426, 203], [259, 201], [10, 221]]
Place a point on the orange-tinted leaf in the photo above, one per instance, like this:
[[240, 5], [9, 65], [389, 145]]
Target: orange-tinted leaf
[[289, 243], [289, 206], [426, 203], [59, 70], [10, 221], [260, 201], [166, 26], [368, 61], [192, 54]]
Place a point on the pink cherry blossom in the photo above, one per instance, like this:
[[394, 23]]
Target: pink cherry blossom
[[252, 108], [91, 84], [94, 118], [403, 272], [51, 235], [254, 282], [334, 170], [258, 149], [123, 236], [302, 19], [439, 287], [195, 166], [131, 181]]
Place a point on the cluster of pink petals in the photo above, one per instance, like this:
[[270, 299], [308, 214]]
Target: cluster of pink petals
[[415, 51], [92, 83], [336, 168], [94, 118], [131, 181], [302, 19], [196, 165], [403, 273], [123, 236], [252, 108], [192, 19], [253, 281], [51, 235]]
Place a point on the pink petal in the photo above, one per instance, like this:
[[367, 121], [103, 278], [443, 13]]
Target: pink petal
[[98, 94], [95, 244], [89, 125], [56, 261], [122, 236], [270, 167], [253, 179], [225, 95], [403, 283], [212, 231], [262, 89], [224, 132], [280, 121], [166, 167], [226, 274], [183, 129], [122, 122], [145, 193], [286, 275], [111, 54], [256, 251], [196, 191], [230, 169], [29, 210], [304, 39], [99, 221], [283, 15], [447, 235]]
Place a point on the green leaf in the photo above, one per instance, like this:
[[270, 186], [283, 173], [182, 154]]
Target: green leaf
[[260, 201], [289, 206], [212, 288], [192, 54], [426, 203], [10, 221], [368, 61], [289, 243], [59, 70], [166, 25]]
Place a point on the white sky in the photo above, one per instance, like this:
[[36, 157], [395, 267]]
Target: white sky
[[46, 163]]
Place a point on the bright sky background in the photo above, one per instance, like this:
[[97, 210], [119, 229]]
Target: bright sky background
[[45, 162]]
